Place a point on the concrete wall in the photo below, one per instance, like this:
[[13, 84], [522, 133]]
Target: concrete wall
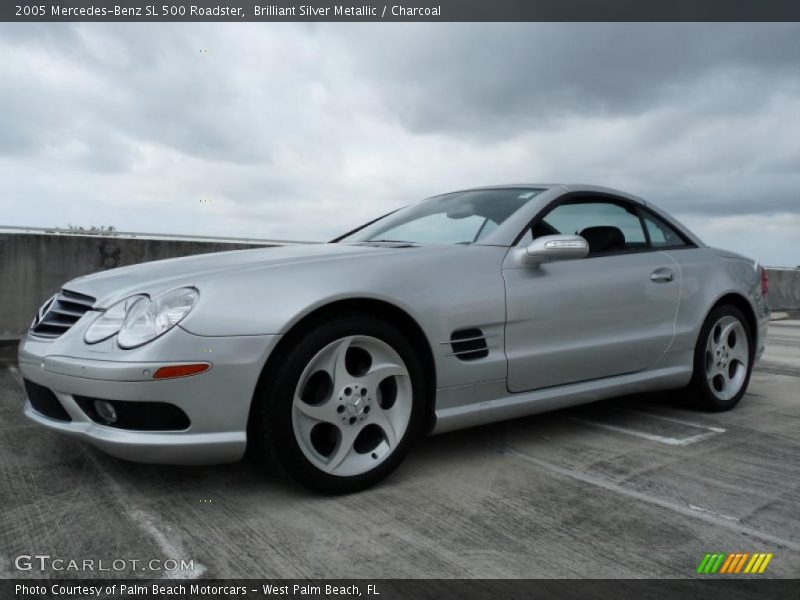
[[34, 266], [784, 289]]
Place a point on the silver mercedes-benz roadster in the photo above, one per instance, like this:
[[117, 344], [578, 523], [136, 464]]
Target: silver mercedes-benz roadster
[[327, 360]]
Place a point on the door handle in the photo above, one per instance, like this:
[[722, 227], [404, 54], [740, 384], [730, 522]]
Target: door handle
[[662, 276]]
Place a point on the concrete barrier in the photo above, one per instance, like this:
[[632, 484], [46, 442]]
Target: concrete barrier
[[34, 265], [784, 289]]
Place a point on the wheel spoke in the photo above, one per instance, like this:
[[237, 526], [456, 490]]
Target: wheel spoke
[[380, 372], [345, 447], [726, 331], [322, 412], [726, 384], [739, 353], [711, 346], [380, 418], [336, 366], [304, 426], [712, 368]]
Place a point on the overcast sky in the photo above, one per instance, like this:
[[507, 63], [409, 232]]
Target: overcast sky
[[301, 131]]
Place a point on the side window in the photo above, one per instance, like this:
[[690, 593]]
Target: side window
[[608, 227], [661, 234]]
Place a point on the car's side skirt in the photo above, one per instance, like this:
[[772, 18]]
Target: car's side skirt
[[490, 401]]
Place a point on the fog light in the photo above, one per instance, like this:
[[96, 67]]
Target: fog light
[[105, 411]]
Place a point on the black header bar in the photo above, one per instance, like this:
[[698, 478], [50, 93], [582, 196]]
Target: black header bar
[[402, 10], [708, 588]]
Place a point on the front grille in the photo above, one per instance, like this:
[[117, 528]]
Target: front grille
[[45, 402], [61, 313], [138, 416]]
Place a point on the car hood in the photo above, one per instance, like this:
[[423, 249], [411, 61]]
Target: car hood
[[160, 276]]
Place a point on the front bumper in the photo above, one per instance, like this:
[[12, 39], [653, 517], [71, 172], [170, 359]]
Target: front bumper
[[216, 402]]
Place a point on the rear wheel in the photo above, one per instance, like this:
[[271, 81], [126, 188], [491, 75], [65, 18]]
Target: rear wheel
[[338, 412], [723, 360]]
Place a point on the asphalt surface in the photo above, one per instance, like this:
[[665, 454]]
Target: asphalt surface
[[631, 487]]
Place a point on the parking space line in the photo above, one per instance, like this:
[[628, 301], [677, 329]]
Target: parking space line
[[14, 372], [654, 437], [704, 515], [711, 512], [671, 419], [777, 370], [142, 519], [148, 523]]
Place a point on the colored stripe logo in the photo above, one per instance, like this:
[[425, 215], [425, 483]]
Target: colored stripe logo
[[734, 563]]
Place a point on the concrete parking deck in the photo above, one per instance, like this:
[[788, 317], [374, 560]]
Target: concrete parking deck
[[631, 487]]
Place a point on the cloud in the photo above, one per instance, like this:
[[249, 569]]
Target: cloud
[[489, 79], [305, 130]]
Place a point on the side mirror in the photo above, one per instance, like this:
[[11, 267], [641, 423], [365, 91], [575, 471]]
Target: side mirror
[[550, 248]]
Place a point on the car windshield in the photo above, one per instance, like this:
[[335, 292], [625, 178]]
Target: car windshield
[[457, 218]]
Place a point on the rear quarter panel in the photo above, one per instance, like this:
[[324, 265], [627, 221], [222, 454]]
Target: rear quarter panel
[[708, 274]]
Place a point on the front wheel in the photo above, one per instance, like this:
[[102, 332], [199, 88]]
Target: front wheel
[[723, 360], [338, 411]]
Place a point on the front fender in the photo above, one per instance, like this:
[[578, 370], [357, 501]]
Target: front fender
[[442, 289]]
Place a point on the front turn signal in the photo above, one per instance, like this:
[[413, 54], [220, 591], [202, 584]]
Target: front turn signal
[[180, 371]]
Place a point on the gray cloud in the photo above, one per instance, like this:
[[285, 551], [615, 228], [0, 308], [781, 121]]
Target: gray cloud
[[302, 131], [471, 78]]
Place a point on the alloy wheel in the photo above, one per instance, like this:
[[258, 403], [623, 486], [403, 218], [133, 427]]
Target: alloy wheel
[[352, 405], [727, 357]]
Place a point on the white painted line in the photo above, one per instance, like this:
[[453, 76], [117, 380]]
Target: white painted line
[[16, 376], [170, 548], [671, 419], [149, 523], [688, 511], [711, 512], [662, 439]]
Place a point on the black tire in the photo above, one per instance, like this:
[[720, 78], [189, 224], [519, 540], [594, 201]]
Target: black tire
[[699, 390], [270, 431]]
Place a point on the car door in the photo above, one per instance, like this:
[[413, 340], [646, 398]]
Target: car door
[[608, 314]]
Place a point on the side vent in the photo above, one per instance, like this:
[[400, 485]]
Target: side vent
[[469, 344]]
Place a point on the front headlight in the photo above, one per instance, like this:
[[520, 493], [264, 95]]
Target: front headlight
[[147, 319], [110, 321]]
